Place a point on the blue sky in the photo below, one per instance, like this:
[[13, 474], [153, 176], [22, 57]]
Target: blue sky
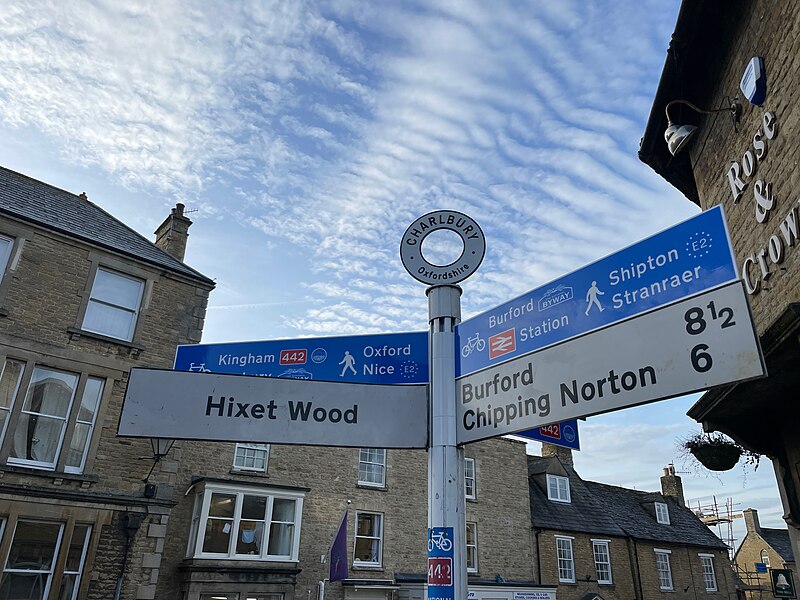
[[306, 136]]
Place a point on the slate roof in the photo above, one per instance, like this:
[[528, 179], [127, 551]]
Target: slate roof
[[58, 210], [779, 540], [597, 508]]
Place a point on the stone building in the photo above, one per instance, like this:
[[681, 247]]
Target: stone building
[[770, 547], [602, 542], [744, 157], [83, 298]]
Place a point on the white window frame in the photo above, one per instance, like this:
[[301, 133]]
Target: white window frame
[[5, 253], [469, 478], [565, 564], [664, 569], [558, 489], [765, 557], [376, 536], [245, 447], [604, 544], [132, 329], [365, 457], [473, 548], [79, 573], [54, 559], [241, 491], [68, 430], [709, 575], [662, 513], [40, 464]]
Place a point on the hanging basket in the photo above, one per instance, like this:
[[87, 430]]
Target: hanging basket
[[717, 456]]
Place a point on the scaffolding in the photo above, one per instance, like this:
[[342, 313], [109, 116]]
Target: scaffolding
[[719, 516]]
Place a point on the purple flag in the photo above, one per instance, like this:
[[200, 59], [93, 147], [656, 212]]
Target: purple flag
[[339, 552]]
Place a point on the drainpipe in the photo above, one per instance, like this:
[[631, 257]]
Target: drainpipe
[[130, 525], [633, 556], [536, 533]]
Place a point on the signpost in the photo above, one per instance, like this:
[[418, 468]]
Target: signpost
[[559, 434], [689, 258], [389, 358], [692, 345], [660, 318]]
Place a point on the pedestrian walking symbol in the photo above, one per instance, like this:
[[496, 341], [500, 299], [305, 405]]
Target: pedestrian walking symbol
[[348, 361], [591, 298]]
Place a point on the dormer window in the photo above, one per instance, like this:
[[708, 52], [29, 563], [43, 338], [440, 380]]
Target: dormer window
[[558, 488], [662, 513]]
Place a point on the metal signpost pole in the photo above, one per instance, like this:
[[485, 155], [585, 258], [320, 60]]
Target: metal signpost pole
[[446, 504], [447, 527]]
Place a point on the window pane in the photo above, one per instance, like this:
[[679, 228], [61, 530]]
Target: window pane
[[76, 546], [366, 524], [251, 533], [77, 445], [69, 584], [90, 399], [19, 585], [254, 507], [367, 550], [115, 289], [9, 382], [283, 510], [217, 536], [36, 438], [222, 505], [50, 392], [34, 546], [280, 539], [110, 321]]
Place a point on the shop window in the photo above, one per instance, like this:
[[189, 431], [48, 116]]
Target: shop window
[[246, 524], [709, 577], [662, 513], [566, 561], [47, 414], [472, 547], [28, 572], [469, 478], [251, 457], [369, 540], [372, 467], [664, 570], [602, 561], [114, 304], [558, 488]]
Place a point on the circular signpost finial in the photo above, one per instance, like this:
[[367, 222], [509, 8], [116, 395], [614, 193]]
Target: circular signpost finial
[[465, 265]]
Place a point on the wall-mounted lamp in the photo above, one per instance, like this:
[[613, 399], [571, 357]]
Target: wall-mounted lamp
[[678, 136], [161, 447]]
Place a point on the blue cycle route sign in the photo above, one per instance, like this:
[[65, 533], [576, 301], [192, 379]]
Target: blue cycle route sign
[[686, 259], [440, 563], [394, 358], [563, 434]]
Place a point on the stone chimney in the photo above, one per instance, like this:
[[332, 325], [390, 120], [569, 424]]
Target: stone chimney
[[171, 235], [564, 454], [751, 520], [671, 485]]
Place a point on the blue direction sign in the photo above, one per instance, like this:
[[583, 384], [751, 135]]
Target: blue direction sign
[[394, 358], [684, 260], [559, 434]]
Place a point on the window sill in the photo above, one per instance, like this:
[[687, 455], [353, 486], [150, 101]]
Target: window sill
[[377, 488], [246, 473], [77, 333], [471, 499], [367, 567], [56, 476]]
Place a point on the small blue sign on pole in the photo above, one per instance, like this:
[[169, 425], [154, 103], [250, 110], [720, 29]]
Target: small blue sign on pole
[[691, 257], [392, 358], [440, 563], [563, 434]]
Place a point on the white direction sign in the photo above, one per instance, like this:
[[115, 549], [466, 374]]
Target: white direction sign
[[692, 345], [210, 406]]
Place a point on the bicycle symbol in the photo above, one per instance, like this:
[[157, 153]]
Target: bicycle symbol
[[200, 368], [440, 541], [473, 344]]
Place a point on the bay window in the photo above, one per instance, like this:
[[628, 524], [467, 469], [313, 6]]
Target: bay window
[[243, 523]]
